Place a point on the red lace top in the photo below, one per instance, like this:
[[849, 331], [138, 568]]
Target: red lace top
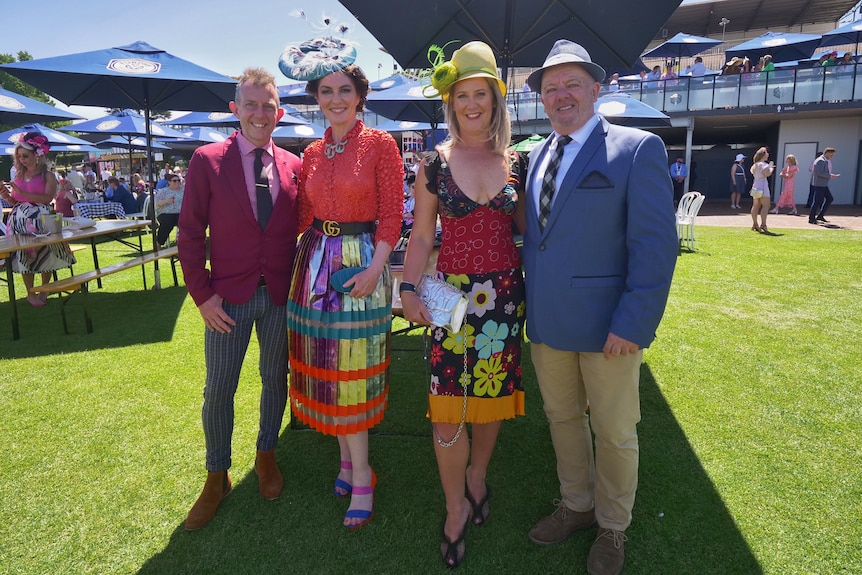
[[364, 183], [477, 238]]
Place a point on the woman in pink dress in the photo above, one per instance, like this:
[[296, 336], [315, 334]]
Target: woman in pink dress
[[789, 174], [66, 197]]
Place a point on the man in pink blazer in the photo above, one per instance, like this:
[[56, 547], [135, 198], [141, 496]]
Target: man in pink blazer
[[244, 191]]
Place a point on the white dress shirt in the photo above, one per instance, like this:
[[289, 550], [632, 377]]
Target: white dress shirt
[[569, 154]]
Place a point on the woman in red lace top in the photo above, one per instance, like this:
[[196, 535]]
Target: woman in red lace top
[[350, 208], [472, 183]]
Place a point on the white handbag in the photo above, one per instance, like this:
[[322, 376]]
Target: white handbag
[[446, 303]]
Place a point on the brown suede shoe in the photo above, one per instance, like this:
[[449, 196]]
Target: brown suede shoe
[[559, 525], [217, 487], [268, 475], [608, 553]]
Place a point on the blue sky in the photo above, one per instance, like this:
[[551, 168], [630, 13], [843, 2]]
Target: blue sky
[[220, 35]]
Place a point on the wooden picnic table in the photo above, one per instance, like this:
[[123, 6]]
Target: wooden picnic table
[[111, 228]]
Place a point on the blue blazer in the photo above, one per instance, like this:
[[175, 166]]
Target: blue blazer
[[605, 261]]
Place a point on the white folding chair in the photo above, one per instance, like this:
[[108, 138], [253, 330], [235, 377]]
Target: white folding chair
[[686, 213]]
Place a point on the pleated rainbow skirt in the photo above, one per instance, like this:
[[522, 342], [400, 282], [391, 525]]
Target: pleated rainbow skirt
[[339, 345]]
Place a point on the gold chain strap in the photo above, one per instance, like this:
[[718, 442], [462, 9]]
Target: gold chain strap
[[454, 440]]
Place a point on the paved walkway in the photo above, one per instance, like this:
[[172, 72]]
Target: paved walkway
[[719, 214]]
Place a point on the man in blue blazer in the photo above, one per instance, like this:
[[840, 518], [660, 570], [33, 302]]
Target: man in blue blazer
[[599, 252]]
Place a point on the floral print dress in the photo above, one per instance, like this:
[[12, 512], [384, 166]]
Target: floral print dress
[[478, 255]]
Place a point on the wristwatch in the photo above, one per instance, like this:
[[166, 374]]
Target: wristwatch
[[406, 286]]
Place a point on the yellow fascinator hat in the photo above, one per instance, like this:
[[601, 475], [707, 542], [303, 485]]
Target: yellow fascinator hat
[[473, 60]]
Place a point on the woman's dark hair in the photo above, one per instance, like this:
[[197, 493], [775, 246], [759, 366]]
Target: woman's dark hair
[[356, 75]]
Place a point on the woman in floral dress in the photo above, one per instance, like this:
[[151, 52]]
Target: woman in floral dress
[[31, 193], [788, 175], [472, 182]]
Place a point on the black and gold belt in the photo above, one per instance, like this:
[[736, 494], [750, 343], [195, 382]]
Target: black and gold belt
[[331, 228]]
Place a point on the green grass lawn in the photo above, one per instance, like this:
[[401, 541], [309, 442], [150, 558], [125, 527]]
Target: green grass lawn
[[750, 439]]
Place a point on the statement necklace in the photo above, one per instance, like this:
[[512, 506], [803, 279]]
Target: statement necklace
[[330, 150]]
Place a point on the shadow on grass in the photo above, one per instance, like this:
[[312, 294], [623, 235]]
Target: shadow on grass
[[680, 524], [119, 319]]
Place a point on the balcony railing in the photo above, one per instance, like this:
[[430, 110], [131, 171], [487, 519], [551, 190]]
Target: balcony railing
[[686, 94]]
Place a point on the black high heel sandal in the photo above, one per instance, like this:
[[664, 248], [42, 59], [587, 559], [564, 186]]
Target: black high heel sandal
[[453, 551], [481, 509]]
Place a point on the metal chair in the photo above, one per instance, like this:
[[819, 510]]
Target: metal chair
[[686, 213]]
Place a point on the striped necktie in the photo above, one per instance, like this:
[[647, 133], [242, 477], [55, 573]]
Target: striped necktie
[[548, 181]]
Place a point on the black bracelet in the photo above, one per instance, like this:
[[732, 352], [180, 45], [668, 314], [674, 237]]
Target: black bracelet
[[406, 286]]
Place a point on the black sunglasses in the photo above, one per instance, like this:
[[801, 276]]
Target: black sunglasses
[[175, 180]]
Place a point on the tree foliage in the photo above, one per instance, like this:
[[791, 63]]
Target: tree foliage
[[13, 84]]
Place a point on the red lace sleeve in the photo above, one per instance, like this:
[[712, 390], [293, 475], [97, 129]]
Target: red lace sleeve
[[306, 209], [390, 189]]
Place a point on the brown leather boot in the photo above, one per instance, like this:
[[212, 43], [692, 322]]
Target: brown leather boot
[[269, 476], [217, 487]]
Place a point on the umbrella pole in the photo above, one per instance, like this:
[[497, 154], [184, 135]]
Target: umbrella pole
[[157, 283]]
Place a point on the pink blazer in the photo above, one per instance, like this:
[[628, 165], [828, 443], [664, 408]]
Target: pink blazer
[[239, 251]]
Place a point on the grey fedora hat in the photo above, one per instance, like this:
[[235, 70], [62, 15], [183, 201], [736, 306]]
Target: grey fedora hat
[[566, 52]]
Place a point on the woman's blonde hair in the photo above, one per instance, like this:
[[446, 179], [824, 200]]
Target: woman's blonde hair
[[758, 155], [21, 169], [499, 132], [791, 159]]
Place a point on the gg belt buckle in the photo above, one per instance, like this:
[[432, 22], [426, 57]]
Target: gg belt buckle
[[331, 228]]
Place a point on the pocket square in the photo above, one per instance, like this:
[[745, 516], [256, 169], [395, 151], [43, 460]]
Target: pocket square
[[595, 179]]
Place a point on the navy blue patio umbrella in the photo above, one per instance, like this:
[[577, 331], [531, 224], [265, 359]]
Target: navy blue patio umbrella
[[139, 144], [628, 70], [60, 148], [16, 109], [395, 126], [407, 102], [847, 34], [295, 94], [137, 76], [297, 133], [222, 119], [55, 138], [390, 82], [58, 141], [520, 32], [197, 136], [125, 125], [620, 108], [782, 47], [681, 45]]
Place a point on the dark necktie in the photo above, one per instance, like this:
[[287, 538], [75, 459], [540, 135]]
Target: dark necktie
[[548, 181], [261, 186]]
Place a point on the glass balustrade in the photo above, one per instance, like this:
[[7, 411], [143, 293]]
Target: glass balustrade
[[787, 86]]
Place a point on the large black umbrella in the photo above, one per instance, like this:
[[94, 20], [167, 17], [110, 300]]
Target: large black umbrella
[[136, 76], [521, 32]]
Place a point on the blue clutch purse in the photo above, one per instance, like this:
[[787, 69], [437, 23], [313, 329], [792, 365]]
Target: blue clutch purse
[[337, 279]]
